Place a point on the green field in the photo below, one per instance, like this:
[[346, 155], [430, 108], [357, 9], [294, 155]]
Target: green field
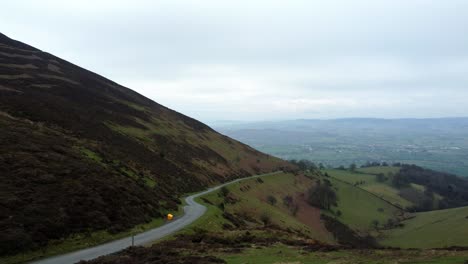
[[360, 208], [369, 181], [435, 229]]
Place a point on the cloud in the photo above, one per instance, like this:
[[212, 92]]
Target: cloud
[[264, 59], [311, 105], [348, 88]]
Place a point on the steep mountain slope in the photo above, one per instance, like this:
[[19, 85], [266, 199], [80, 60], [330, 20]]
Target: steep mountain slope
[[80, 152]]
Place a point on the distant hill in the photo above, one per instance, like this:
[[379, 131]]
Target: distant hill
[[81, 153], [440, 143]]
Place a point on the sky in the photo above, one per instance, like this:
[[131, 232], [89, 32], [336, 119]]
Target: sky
[[264, 60]]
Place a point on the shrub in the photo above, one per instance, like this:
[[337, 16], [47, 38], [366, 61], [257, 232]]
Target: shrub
[[288, 200], [265, 218], [224, 191], [381, 177], [14, 241], [221, 206], [199, 234], [322, 196], [294, 209], [271, 199], [390, 223]]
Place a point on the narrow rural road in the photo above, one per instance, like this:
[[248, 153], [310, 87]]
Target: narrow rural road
[[192, 211]]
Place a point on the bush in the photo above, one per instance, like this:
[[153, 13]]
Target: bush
[[381, 177], [271, 199], [288, 200], [221, 206], [304, 165], [390, 223], [14, 241], [199, 235], [322, 196], [399, 181], [294, 209], [224, 191], [265, 218]]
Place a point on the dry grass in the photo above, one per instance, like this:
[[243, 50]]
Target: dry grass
[[31, 57], [50, 76], [15, 77], [3, 88], [19, 66], [54, 68]]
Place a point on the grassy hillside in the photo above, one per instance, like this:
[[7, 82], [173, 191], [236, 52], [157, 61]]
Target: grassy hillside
[[360, 208], [366, 179], [251, 203], [435, 229], [82, 154], [219, 238], [250, 200]]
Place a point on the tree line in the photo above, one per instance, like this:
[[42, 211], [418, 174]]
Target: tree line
[[454, 189]]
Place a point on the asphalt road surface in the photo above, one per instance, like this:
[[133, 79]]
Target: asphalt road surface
[[192, 211]]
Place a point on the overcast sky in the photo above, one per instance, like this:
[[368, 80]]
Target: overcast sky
[[264, 60]]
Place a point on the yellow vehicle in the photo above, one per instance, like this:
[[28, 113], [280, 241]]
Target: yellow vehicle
[[169, 217]]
